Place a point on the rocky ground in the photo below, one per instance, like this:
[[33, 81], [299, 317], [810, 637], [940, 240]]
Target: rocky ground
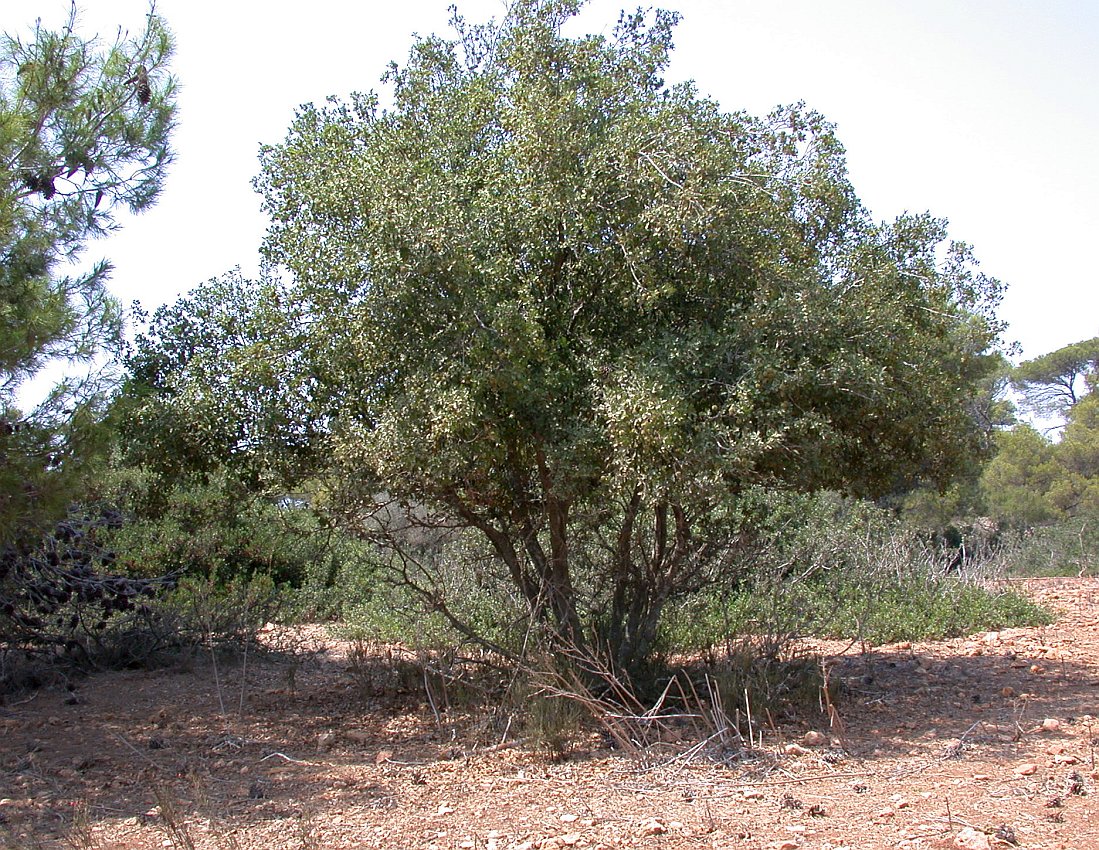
[[988, 741]]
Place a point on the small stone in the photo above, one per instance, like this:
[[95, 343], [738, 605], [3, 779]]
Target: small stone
[[1050, 724], [326, 740], [383, 756], [1037, 668], [1066, 758], [789, 844], [445, 809], [795, 750], [982, 777], [971, 839], [751, 793], [568, 818], [1027, 769], [652, 827], [1007, 692], [571, 839], [812, 739]]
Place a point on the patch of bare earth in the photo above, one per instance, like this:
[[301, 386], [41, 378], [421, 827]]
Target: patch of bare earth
[[987, 741]]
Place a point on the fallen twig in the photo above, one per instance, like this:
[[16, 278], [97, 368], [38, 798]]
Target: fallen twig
[[292, 760], [136, 750]]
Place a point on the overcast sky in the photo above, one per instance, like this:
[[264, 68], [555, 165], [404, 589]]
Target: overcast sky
[[985, 112]]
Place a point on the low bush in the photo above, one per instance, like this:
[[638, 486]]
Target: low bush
[[66, 606], [831, 567], [1066, 548]]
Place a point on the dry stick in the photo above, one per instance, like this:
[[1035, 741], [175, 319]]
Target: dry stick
[[178, 834], [751, 735], [217, 679], [652, 712], [720, 717], [430, 698], [834, 719], [24, 701], [243, 680], [291, 760], [694, 750], [504, 737], [136, 750], [715, 723]]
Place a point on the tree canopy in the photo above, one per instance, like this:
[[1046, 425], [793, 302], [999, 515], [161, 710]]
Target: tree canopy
[[84, 132], [1053, 383], [212, 387], [549, 299], [1033, 479]]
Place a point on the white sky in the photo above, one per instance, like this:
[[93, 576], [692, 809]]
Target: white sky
[[985, 112]]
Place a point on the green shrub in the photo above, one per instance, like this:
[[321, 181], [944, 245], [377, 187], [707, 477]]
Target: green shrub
[[832, 567], [1066, 548], [398, 601]]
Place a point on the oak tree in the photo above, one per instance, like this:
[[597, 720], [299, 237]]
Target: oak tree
[[575, 311]]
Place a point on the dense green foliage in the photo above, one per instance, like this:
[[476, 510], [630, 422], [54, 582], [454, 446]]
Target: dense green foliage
[[559, 302], [84, 131], [1033, 480], [214, 442], [211, 386]]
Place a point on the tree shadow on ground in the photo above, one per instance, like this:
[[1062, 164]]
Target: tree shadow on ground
[[279, 742]]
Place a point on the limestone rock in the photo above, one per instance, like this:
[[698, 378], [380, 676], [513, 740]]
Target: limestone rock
[[971, 839]]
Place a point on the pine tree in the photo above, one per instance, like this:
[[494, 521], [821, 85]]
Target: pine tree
[[84, 133]]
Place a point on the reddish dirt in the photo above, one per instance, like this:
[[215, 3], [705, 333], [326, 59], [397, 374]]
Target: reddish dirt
[[986, 739]]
